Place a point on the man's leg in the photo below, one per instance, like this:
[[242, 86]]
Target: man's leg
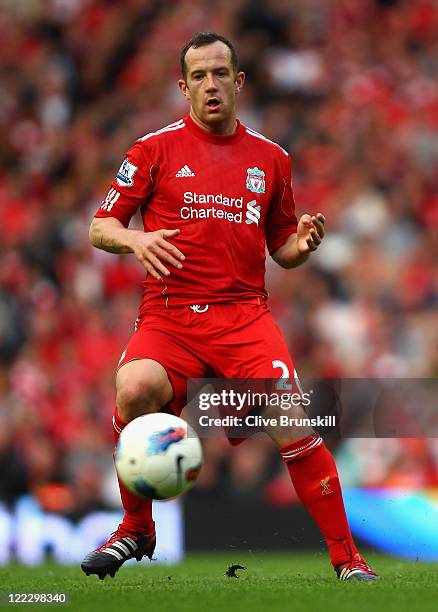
[[138, 512], [152, 375], [314, 475], [143, 387], [256, 349]]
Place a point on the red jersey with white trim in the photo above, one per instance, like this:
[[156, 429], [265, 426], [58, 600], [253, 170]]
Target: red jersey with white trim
[[230, 195]]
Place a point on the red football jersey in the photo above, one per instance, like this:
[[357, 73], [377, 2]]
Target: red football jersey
[[229, 195]]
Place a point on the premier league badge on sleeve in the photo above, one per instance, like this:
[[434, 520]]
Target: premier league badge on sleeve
[[255, 180], [125, 175]]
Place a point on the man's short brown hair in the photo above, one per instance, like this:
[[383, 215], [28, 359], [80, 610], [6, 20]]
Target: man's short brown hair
[[201, 39]]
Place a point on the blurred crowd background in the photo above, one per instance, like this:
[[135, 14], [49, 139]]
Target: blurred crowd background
[[348, 87]]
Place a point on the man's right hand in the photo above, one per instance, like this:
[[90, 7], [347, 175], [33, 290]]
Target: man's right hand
[[153, 248]]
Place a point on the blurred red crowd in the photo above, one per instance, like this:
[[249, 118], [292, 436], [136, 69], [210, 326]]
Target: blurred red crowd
[[348, 87]]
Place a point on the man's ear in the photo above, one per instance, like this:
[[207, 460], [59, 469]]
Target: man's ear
[[239, 81], [184, 89]]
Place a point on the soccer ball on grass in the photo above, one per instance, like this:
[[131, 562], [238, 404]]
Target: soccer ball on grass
[[158, 456]]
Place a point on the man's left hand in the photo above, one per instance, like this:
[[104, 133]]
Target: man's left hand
[[310, 233]]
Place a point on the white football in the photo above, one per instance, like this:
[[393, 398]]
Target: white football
[[158, 456]]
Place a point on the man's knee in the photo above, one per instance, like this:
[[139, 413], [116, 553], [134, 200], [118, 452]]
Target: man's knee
[[142, 387], [135, 398]]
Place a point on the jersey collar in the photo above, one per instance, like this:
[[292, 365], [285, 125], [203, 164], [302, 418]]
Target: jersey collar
[[222, 139]]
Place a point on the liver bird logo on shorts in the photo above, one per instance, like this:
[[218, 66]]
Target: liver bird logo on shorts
[[255, 180], [159, 442]]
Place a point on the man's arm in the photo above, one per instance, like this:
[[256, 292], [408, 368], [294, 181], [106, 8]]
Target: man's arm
[[150, 248], [110, 235], [297, 248]]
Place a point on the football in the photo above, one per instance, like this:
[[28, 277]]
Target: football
[[158, 456]]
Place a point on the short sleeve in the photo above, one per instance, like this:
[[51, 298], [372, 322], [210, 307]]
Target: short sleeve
[[281, 221], [130, 187]]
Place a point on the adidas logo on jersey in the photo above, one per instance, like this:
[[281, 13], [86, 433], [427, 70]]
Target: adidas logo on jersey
[[185, 171]]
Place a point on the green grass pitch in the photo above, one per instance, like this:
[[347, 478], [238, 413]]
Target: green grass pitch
[[283, 582]]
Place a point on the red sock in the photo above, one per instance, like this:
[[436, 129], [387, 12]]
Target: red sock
[[315, 478], [138, 512]]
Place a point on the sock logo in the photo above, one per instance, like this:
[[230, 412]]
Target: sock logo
[[325, 486]]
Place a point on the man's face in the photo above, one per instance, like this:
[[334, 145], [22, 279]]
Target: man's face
[[211, 83]]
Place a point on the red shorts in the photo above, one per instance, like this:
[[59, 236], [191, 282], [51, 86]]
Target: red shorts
[[230, 340]]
